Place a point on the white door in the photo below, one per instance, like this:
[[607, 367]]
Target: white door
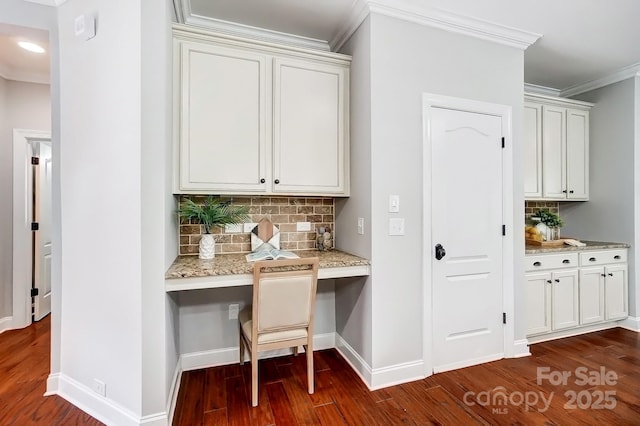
[[564, 299], [538, 302], [591, 297], [466, 211], [42, 239], [577, 154], [617, 299], [554, 152]]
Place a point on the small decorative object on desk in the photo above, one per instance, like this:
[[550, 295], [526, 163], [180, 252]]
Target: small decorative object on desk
[[324, 239], [550, 224]]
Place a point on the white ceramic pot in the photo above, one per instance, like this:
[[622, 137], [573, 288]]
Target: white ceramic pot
[[207, 247]]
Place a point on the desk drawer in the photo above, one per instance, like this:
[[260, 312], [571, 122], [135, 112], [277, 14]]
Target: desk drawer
[[603, 257], [551, 261]]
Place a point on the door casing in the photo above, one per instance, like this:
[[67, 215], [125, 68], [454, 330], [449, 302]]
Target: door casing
[[430, 101], [22, 214]]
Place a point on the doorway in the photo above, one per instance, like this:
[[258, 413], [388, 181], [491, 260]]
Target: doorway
[[467, 170], [31, 226]]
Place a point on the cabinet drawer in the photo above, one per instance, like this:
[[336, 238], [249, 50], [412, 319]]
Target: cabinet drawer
[[551, 261], [603, 257]]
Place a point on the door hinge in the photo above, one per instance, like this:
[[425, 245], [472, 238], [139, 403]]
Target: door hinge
[[34, 292], [35, 226], [35, 161], [504, 317], [504, 230], [503, 141]]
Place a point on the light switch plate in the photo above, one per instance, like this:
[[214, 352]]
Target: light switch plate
[[396, 226], [394, 203], [303, 226], [249, 226]]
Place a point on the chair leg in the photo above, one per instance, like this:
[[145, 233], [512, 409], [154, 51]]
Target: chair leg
[[295, 351], [309, 353], [254, 379]]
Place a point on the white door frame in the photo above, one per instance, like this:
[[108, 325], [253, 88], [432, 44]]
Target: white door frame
[[430, 101], [22, 217]]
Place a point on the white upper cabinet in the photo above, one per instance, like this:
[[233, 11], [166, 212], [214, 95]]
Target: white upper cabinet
[[258, 118], [558, 131], [309, 127]]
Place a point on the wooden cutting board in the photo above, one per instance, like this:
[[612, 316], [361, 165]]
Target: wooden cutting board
[[552, 243]]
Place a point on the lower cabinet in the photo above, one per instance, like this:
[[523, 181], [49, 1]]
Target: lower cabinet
[[567, 290]]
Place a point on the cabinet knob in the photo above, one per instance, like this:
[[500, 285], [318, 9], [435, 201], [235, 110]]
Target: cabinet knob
[[571, 192], [604, 275], [557, 280], [592, 259], [537, 264], [566, 261], [277, 181], [549, 281], [610, 274], [616, 257], [263, 180], [564, 191]]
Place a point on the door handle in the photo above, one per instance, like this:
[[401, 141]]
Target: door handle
[[440, 251]]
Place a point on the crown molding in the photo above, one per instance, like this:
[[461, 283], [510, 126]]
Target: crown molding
[[622, 74], [419, 13], [185, 15], [53, 3], [541, 90]]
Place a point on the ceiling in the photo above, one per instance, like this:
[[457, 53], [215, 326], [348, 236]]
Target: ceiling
[[582, 40], [19, 64]]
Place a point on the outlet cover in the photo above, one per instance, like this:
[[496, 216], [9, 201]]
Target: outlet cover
[[249, 226], [361, 226], [234, 309], [396, 226], [233, 228], [99, 387], [303, 226]]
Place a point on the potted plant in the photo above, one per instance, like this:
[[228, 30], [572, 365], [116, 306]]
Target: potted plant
[[212, 212], [551, 221]]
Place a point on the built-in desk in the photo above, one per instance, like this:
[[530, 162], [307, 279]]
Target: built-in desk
[[231, 270]]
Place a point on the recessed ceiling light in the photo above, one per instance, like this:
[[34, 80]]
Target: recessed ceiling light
[[31, 47]]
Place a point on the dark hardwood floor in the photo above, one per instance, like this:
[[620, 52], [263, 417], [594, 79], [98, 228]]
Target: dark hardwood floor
[[24, 367], [562, 383], [504, 392]]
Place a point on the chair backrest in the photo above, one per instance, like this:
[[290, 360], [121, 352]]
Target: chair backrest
[[284, 293]]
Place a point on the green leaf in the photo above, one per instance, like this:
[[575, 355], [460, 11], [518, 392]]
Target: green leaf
[[213, 212]]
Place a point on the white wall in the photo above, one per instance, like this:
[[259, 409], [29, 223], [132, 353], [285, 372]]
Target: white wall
[[204, 316], [408, 60], [353, 295], [610, 214], [115, 133]]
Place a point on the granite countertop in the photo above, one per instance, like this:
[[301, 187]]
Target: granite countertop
[[590, 245], [236, 263]]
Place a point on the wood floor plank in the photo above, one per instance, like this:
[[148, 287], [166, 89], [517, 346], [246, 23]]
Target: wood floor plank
[[237, 402], [215, 391], [329, 415], [280, 405], [215, 418]]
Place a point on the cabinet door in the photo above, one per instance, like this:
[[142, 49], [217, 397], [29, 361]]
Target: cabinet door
[[564, 299], [538, 301], [616, 292], [532, 150], [554, 152], [222, 118], [591, 295], [577, 155], [310, 131]]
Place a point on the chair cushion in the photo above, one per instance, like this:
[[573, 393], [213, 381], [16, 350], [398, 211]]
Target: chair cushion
[[274, 336]]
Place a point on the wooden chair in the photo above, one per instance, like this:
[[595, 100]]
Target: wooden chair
[[284, 295]]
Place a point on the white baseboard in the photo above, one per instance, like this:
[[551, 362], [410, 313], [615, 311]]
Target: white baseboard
[[378, 378], [521, 348], [570, 332], [631, 323], [226, 356], [354, 359], [101, 408], [6, 323], [173, 392]]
